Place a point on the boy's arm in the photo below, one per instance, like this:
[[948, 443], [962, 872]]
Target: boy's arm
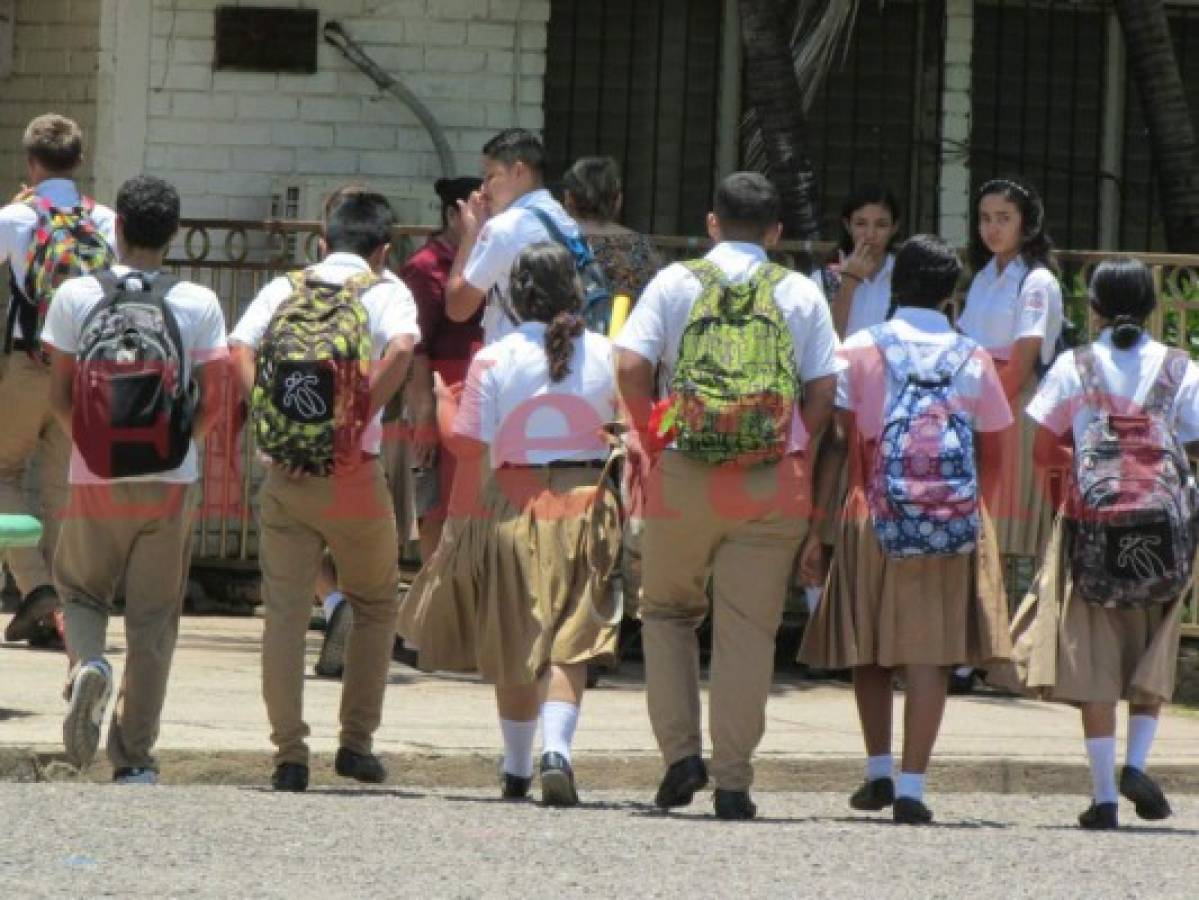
[[62, 385], [388, 374], [463, 299]]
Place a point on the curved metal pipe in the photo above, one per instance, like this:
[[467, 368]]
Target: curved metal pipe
[[336, 36]]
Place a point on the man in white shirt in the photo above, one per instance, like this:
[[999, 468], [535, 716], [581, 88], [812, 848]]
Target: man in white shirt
[[53, 151], [349, 511], [498, 222], [740, 525], [136, 529]]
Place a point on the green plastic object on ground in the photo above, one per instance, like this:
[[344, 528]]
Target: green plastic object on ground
[[19, 531]]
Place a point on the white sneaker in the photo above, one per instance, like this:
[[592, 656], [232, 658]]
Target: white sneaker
[[91, 687], [135, 776]]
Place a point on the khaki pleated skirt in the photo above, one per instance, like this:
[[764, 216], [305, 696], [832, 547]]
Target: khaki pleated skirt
[[1023, 510], [520, 583], [936, 610], [1070, 650]]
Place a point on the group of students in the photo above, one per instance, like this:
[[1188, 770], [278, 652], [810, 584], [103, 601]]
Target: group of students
[[752, 423]]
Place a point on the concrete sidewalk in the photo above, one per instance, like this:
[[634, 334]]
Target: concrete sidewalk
[[442, 729]]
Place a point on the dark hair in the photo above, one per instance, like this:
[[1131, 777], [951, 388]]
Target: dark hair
[[450, 190], [358, 221], [747, 205], [594, 186], [1036, 248], [865, 195], [54, 141], [513, 145], [1123, 292], [926, 271], [546, 288], [149, 211]]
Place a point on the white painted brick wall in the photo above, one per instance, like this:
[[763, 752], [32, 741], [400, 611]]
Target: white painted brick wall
[[55, 45], [226, 138]]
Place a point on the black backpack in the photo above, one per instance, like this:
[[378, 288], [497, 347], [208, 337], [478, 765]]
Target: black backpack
[[133, 412]]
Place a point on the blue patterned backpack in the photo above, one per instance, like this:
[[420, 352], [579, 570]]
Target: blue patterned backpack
[[923, 493]]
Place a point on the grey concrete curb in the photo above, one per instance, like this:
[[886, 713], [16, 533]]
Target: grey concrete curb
[[633, 772]]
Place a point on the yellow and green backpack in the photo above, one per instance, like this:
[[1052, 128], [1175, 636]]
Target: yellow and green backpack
[[311, 398]]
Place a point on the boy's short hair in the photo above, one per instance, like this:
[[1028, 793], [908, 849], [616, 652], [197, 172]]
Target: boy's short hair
[[359, 222], [747, 205], [926, 271], [149, 211], [54, 141], [514, 145]]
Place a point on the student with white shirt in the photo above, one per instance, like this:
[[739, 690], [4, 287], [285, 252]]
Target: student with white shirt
[[859, 286], [738, 521], [1067, 647], [53, 148], [343, 503], [497, 223], [131, 511], [884, 611], [1014, 310], [516, 587]]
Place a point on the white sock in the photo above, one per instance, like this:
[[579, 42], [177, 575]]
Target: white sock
[[812, 597], [1102, 754], [1141, 731], [330, 603], [518, 746], [910, 784], [558, 723], [881, 766]]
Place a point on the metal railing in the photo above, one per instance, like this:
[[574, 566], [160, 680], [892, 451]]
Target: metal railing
[[237, 257]]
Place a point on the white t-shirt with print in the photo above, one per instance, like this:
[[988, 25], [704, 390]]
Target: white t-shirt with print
[[1003, 307], [201, 333], [868, 387], [510, 403], [1060, 402], [489, 266], [18, 221], [390, 309], [655, 327]]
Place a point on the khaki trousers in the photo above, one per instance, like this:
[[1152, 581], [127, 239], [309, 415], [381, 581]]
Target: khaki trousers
[[141, 533], [742, 528], [351, 514], [27, 429]]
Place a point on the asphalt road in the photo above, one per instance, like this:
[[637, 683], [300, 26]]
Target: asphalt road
[[101, 840]]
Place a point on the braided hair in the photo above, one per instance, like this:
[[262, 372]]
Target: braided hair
[[545, 288]]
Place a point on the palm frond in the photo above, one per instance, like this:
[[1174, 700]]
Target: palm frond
[[820, 41]]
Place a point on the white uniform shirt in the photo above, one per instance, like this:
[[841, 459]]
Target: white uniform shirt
[[390, 309], [656, 324], [1000, 310], [18, 221], [871, 299], [1060, 403], [489, 266], [201, 332], [510, 403], [868, 387]]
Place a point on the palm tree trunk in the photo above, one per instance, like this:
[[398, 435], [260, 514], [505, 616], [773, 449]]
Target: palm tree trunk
[[1171, 133], [773, 92]]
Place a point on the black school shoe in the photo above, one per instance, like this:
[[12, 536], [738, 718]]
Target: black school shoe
[[557, 781], [514, 787], [1143, 791], [1100, 817], [910, 811], [36, 608], [292, 777], [874, 795], [680, 783], [364, 767], [734, 806]]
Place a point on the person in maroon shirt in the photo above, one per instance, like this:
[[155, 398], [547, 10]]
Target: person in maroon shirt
[[445, 349]]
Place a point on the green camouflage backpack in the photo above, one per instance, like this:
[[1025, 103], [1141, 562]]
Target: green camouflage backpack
[[735, 382], [311, 394]]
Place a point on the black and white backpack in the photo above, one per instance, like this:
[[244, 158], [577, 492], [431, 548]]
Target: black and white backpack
[[134, 405]]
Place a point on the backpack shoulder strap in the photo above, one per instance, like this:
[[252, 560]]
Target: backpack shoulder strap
[[895, 355], [576, 246], [1093, 386], [954, 357], [712, 282], [1164, 389]]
